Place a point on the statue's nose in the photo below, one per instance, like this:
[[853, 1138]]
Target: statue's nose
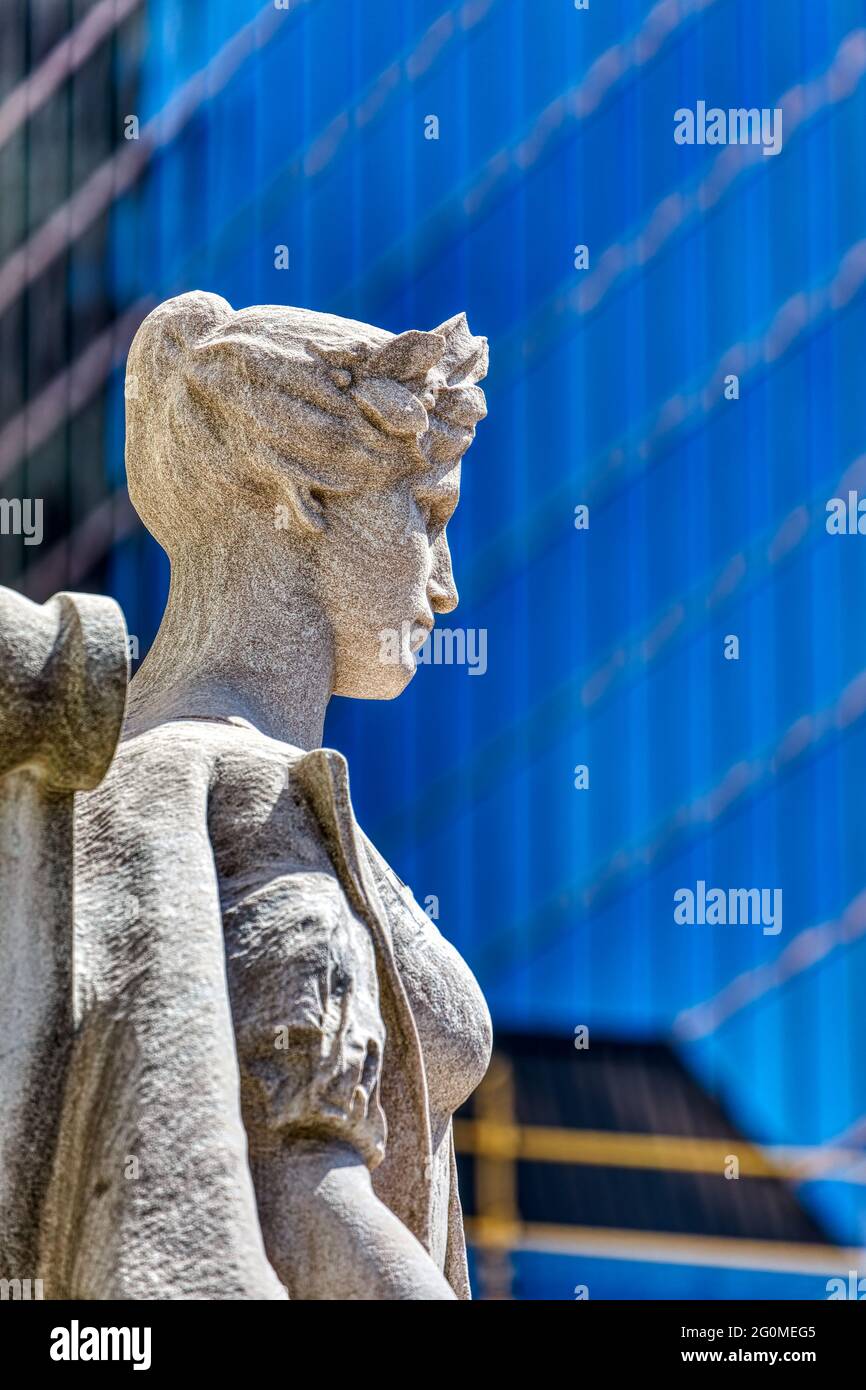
[[443, 599], [441, 590]]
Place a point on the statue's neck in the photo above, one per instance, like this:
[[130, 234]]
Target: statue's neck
[[238, 638]]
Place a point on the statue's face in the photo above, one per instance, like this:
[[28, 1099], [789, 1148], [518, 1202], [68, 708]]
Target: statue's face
[[343, 438], [385, 571]]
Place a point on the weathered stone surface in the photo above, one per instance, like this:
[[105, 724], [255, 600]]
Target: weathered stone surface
[[63, 671]]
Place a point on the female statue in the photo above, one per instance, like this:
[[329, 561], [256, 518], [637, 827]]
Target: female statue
[[272, 1036]]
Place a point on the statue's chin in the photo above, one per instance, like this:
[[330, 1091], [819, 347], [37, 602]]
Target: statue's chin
[[384, 682]]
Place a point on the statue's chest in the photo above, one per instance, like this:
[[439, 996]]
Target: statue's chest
[[263, 833], [450, 1013]]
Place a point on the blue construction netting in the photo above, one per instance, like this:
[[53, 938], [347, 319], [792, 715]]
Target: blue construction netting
[[707, 516]]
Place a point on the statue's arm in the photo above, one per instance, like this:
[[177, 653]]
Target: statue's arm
[[342, 1242], [154, 1147]]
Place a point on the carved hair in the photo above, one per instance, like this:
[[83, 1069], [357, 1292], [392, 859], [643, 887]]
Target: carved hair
[[273, 404]]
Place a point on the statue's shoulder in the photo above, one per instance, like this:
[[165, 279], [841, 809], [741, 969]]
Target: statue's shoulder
[[226, 774], [181, 747], [167, 765]]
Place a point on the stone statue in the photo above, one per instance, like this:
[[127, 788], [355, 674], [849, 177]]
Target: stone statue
[[271, 1036], [63, 673]]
